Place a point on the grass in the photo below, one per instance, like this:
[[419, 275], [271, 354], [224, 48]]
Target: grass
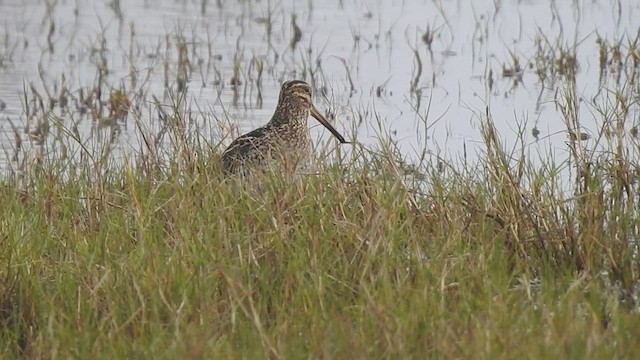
[[161, 257], [154, 254]]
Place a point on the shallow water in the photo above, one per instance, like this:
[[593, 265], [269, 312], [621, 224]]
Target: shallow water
[[360, 52]]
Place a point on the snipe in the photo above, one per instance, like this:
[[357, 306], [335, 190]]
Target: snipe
[[284, 141]]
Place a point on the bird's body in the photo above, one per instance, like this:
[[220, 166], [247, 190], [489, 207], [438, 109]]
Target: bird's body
[[284, 142]]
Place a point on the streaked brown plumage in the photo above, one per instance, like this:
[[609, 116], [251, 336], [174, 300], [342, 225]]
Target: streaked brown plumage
[[284, 141]]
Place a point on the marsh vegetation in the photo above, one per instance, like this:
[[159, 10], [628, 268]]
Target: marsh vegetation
[[488, 207]]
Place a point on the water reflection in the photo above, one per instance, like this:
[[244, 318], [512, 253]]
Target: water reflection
[[422, 72]]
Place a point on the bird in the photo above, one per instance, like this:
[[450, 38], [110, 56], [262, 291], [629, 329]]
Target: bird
[[284, 142]]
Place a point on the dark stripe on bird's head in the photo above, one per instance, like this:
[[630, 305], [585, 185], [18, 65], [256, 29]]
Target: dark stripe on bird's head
[[291, 83], [293, 90]]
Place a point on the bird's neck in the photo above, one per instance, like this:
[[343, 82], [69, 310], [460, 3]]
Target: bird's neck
[[287, 114]]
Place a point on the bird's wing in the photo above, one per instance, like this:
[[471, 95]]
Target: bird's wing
[[242, 146]]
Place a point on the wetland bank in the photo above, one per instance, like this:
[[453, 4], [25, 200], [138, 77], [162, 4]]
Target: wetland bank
[[489, 208]]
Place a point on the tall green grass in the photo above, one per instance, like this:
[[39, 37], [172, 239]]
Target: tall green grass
[[159, 256]]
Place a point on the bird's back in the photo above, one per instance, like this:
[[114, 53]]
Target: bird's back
[[270, 145]]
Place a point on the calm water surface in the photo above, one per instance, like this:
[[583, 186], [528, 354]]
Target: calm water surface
[[377, 74]]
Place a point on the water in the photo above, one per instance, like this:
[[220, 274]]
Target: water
[[364, 56]]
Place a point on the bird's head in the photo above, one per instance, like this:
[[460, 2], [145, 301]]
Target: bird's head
[[295, 101]]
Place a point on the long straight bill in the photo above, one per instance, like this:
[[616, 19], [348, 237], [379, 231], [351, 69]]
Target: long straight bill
[[316, 114]]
